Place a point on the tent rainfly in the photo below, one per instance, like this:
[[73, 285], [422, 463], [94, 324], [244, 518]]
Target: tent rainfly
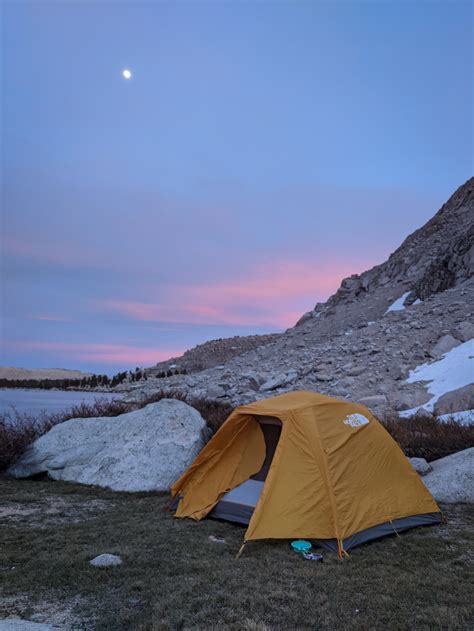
[[305, 465]]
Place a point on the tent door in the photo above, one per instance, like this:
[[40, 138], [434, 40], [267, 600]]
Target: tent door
[[239, 503]]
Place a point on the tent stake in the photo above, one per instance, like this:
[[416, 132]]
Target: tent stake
[[241, 550]]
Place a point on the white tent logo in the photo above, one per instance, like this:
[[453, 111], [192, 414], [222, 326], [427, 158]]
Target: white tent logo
[[356, 420]]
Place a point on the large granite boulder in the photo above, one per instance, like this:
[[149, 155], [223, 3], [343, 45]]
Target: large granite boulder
[[452, 478], [144, 450]]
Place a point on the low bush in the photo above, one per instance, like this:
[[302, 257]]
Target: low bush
[[427, 437]]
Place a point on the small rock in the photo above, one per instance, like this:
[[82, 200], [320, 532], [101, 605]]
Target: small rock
[[215, 392], [401, 400], [356, 371], [444, 345], [374, 400], [280, 380], [420, 465], [455, 401], [464, 331], [106, 560], [216, 539], [273, 383], [322, 376]]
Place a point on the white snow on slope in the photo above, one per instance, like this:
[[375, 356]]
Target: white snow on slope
[[398, 304], [454, 370]]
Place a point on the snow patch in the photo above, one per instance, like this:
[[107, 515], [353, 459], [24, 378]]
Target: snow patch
[[465, 418], [417, 302], [454, 370], [398, 304]]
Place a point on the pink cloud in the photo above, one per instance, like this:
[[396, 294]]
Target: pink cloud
[[99, 353], [275, 296]]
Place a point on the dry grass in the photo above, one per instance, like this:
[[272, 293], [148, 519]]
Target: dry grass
[[174, 577]]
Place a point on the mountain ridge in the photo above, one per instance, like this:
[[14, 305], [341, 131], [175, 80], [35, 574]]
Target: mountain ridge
[[364, 340]]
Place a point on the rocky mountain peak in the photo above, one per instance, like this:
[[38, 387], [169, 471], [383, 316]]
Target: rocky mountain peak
[[437, 256]]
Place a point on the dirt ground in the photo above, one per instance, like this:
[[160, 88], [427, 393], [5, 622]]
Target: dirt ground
[[174, 576]]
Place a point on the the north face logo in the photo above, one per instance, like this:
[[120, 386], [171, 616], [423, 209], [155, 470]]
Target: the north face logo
[[356, 420]]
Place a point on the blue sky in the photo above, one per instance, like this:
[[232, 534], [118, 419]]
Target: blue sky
[[260, 153]]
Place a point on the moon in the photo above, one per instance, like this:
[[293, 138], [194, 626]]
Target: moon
[[126, 74]]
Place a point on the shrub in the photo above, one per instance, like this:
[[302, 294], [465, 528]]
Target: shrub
[[427, 437]]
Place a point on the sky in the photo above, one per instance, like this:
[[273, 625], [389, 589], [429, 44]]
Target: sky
[[260, 153]]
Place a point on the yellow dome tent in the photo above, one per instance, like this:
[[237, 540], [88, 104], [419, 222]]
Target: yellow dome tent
[[305, 465]]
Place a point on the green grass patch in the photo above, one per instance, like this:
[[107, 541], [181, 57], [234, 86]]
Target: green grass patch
[[174, 577]]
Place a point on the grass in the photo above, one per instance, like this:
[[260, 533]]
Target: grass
[[174, 577]]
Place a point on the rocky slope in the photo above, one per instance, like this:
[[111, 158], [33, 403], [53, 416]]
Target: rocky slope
[[211, 353], [362, 343]]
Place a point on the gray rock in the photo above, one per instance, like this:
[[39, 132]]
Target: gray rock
[[215, 392], [280, 380], [406, 400], [464, 331], [444, 345], [309, 315], [420, 465], [456, 400], [16, 624], [273, 383], [355, 371], [322, 376], [106, 560], [253, 384], [452, 478], [144, 450], [374, 400]]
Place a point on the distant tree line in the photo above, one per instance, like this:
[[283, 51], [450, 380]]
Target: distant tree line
[[170, 373], [86, 383], [89, 383]]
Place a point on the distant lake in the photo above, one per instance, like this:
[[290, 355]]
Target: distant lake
[[51, 401]]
